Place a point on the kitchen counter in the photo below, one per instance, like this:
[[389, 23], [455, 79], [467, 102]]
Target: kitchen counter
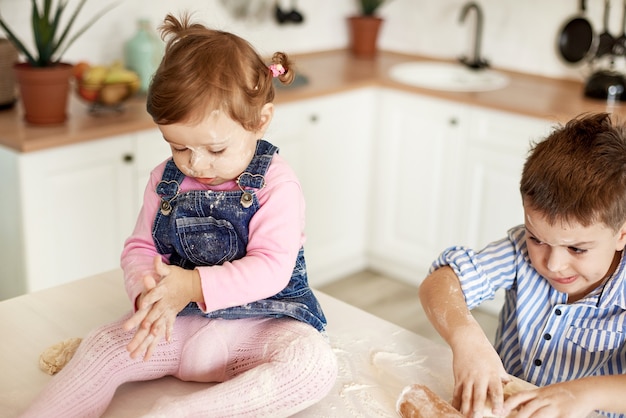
[[376, 358], [327, 72]]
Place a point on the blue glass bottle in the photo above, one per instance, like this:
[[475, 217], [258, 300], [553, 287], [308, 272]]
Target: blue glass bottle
[[143, 53]]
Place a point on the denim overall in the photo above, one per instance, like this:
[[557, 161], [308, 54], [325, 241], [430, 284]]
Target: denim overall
[[207, 228]]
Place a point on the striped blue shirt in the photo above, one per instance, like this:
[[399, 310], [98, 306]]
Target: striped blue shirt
[[541, 338]]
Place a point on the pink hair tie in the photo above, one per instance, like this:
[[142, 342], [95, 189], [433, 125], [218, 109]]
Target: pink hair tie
[[277, 69]]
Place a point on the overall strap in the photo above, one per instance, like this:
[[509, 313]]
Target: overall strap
[[172, 177], [169, 186], [254, 176]]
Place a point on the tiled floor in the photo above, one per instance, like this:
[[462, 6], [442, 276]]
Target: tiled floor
[[395, 301]]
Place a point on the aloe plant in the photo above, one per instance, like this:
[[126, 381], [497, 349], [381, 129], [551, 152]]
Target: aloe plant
[[369, 7], [51, 40]]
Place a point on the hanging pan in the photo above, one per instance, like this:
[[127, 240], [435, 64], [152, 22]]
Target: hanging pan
[[605, 40], [576, 40], [619, 47]]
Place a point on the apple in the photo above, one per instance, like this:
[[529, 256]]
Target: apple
[[88, 93], [79, 69]]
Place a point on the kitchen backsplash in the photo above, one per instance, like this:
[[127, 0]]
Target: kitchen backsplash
[[518, 35]]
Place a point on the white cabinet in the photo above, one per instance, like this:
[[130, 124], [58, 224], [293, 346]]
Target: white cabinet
[[445, 174], [71, 208], [390, 179], [498, 144], [68, 211], [150, 149], [416, 180], [328, 142]]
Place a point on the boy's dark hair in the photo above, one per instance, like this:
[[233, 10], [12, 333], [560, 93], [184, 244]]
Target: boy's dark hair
[[578, 173]]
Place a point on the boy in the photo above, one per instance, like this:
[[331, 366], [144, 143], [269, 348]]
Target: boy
[[563, 323]]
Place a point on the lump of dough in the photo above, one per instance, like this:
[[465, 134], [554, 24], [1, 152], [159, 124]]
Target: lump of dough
[[418, 401], [55, 357]]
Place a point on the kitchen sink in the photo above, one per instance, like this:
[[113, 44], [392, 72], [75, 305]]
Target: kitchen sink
[[448, 76]]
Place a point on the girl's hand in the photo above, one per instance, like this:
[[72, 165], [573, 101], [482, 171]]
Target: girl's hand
[[478, 374], [159, 304], [560, 400]]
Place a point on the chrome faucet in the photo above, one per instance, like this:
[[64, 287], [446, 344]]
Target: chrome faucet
[[476, 61]]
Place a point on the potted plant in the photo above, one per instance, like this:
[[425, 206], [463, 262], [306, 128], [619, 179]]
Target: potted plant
[[44, 76], [364, 28]]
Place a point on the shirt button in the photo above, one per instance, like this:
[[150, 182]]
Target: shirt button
[[557, 311], [537, 362], [547, 336]]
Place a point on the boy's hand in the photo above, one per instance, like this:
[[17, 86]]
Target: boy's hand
[[159, 304], [566, 399], [478, 374]]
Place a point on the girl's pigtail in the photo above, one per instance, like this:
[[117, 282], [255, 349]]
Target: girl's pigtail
[[281, 68]]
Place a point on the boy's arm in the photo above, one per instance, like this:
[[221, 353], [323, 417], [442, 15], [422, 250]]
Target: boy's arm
[[575, 398], [478, 370]]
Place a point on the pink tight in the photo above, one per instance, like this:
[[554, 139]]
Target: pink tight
[[268, 367]]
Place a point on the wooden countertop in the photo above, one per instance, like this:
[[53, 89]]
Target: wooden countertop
[[327, 72]]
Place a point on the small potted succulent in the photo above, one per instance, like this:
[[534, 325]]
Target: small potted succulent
[[364, 28], [45, 60]]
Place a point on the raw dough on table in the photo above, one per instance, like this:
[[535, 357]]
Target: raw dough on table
[[418, 401], [55, 357]]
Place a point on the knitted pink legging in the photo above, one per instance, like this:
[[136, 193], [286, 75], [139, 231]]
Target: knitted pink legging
[[268, 367]]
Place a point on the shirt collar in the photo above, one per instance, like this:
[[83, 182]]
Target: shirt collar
[[613, 292]]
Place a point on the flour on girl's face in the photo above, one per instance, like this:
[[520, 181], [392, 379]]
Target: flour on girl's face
[[215, 150]]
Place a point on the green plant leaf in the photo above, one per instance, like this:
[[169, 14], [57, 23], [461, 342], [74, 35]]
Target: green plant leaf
[[61, 39], [17, 43], [83, 28], [46, 25], [369, 7]]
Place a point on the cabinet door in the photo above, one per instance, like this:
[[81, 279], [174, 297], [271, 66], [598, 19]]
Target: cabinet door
[[150, 150], [498, 145], [77, 207], [497, 148], [415, 182], [328, 142]]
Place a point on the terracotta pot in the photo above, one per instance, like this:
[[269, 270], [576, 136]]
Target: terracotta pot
[[8, 58], [44, 92], [364, 35]]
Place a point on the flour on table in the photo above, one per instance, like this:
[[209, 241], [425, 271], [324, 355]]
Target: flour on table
[[372, 375]]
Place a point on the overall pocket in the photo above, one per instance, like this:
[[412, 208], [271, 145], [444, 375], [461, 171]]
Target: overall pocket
[[207, 241]]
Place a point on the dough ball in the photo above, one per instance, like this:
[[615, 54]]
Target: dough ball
[[55, 357]]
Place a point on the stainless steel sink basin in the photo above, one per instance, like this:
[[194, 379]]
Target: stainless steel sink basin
[[447, 76]]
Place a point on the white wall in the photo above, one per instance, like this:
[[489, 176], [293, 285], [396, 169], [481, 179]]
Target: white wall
[[518, 34]]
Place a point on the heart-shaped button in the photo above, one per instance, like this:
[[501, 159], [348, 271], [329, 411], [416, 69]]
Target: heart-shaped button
[[167, 188]]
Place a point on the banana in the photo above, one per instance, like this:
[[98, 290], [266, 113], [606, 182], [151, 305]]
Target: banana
[[94, 76]]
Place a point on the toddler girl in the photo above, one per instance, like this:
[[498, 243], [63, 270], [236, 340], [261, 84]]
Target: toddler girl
[[215, 267]]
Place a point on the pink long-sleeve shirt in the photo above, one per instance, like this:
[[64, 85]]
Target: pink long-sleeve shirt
[[276, 235]]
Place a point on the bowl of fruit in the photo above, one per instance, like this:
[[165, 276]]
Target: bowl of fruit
[[105, 87]]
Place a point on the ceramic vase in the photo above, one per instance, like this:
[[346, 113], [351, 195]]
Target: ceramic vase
[[143, 53]]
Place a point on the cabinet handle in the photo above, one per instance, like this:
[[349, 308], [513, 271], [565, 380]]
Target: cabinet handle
[[128, 158], [313, 118], [453, 121]]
